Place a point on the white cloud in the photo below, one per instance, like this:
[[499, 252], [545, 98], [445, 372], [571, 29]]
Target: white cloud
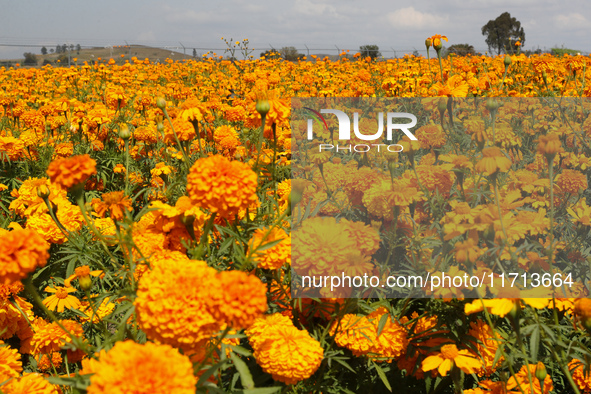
[[571, 21], [146, 36], [184, 15], [409, 17], [307, 7]]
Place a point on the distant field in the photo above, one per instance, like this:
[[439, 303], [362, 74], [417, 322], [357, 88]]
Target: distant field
[[118, 53]]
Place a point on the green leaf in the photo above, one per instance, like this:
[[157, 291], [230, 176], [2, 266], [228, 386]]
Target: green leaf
[[382, 323], [242, 368], [382, 376], [262, 390], [344, 364], [534, 344], [240, 350]]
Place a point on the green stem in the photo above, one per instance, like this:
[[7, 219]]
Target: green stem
[[260, 141]]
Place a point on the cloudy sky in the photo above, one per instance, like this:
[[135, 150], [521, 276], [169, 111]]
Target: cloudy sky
[[321, 25]]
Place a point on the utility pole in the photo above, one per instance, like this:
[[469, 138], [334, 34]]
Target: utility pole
[[307, 49], [129, 47], [184, 49]]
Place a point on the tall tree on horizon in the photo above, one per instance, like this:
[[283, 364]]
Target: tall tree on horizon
[[502, 33]]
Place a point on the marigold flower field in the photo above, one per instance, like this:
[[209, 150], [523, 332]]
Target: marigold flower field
[[147, 214]]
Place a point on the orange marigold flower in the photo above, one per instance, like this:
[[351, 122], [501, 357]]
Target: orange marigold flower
[[12, 320], [172, 303], [288, 354], [521, 382], [71, 171], [431, 136], [83, 274], [29, 383], [49, 337], [223, 186], [449, 356], [486, 345], [228, 303], [10, 362], [493, 161], [582, 379], [21, 252], [116, 203], [44, 362], [142, 369], [273, 257], [571, 181], [61, 299]]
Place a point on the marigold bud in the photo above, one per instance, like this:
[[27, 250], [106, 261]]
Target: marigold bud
[[492, 105], [541, 372], [43, 191], [124, 132], [507, 60], [428, 43], [263, 107], [161, 103]]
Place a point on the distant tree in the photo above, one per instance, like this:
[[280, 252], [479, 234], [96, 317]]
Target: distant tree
[[194, 52], [271, 54], [46, 62], [291, 54], [58, 49], [78, 48], [461, 49], [565, 51], [373, 51], [30, 59], [51, 50], [43, 51], [502, 32], [64, 48]]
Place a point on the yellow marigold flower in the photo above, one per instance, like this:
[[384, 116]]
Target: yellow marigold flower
[[116, 203], [580, 213], [521, 382], [448, 357], [238, 299], [61, 299], [10, 362], [288, 354], [571, 181], [29, 383], [71, 171], [142, 369], [273, 257], [49, 337], [21, 252], [172, 303], [493, 161], [222, 186], [98, 312]]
